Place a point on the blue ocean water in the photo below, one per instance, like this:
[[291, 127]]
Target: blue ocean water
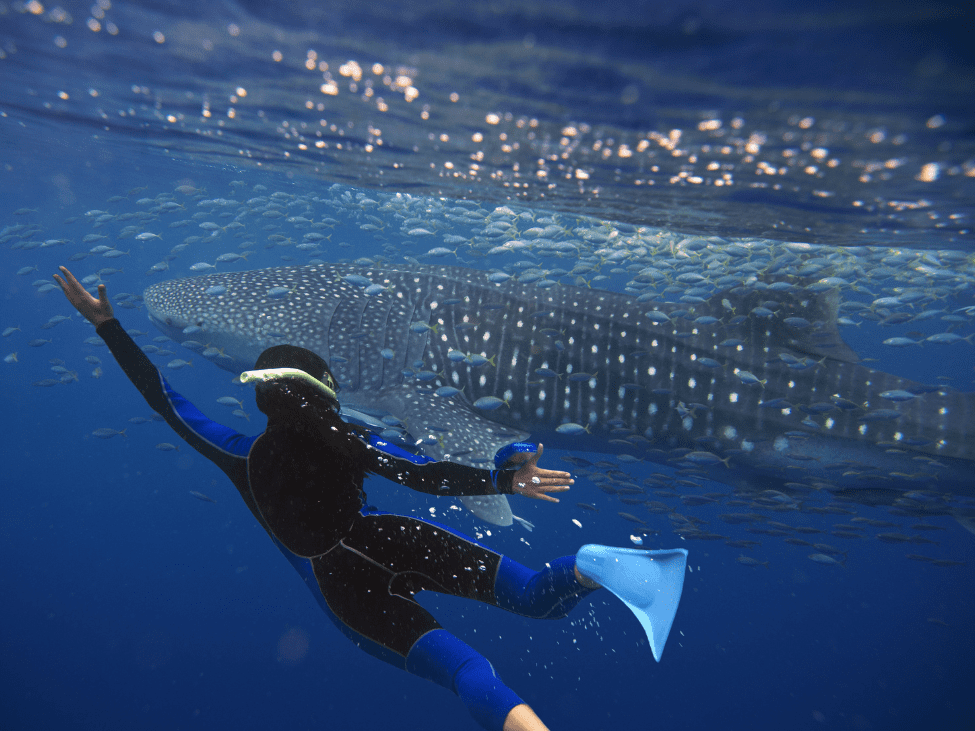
[[131, 603]]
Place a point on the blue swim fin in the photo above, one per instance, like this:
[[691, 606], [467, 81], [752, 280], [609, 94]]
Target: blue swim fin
[[648, 582]]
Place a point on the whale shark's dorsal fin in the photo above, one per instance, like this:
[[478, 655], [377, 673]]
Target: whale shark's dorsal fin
[[821, 340]]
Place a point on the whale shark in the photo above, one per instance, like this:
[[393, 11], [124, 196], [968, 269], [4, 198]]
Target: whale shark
[[753, 386]]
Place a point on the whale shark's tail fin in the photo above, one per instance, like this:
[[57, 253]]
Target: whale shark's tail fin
[[648, 582]]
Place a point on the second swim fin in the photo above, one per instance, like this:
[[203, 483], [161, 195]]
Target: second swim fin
[[648, 582]]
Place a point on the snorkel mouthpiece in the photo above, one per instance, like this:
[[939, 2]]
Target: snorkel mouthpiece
[[273, 374]]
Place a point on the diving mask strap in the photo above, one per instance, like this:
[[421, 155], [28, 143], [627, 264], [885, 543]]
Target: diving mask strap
[[273, 374]]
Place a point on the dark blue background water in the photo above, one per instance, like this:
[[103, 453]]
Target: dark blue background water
[[130, 604]]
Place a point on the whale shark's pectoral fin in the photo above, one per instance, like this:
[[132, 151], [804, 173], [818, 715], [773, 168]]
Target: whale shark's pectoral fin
[[966, 521], [448, 429]]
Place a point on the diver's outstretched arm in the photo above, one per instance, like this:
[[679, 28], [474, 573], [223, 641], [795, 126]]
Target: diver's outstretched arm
[[96, 311]]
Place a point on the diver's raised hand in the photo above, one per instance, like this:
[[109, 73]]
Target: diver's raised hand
[[532, 481], [96, 311]]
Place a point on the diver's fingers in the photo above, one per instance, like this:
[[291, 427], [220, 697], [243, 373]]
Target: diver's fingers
[[70, 278], [549, 477]]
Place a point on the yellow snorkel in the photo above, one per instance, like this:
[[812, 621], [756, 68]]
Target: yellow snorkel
[[272, 374]]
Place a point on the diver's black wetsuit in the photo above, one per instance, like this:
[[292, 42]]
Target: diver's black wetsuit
[[363, 565]]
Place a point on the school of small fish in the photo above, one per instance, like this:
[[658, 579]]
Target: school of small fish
[[921, 298]]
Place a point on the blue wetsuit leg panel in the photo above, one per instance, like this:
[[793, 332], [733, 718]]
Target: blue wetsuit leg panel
[[455, 665], [550, 593]]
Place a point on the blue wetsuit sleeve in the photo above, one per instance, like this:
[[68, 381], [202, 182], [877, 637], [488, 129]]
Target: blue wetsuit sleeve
[[423, 474], [222, 445]]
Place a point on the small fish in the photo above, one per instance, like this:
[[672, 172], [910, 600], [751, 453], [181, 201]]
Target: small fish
[[166, 447], [898, 395], [230, 401], [488, 403], [707, 459], [422, 327], [748, 561], [178, 363], [749, 378], [580, 377], [587, 506], [201, 496], [901, 342], [824, 559], [571, 429], [632, 518], [949, 338], [655, 316], [12, 358], [107, 433], [358, 280]]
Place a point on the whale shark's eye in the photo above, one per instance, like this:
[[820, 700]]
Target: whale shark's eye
[[169, 321]]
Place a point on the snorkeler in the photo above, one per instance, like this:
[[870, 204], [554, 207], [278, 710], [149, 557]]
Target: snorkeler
[[302, 479]]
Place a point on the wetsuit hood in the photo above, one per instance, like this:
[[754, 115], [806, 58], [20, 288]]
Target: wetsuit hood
[[280, 392]]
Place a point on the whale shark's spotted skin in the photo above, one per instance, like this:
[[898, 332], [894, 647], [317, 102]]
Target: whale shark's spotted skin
[[731, 377]]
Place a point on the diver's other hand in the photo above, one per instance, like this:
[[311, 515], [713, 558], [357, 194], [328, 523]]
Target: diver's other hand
[[96, 311], [532, 481]]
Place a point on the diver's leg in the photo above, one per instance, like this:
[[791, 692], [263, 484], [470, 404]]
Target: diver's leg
[[447, 661], [432, 557], [357, 593], [550, 593]]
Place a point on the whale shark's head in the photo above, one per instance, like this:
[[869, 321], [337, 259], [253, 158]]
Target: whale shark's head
[[168, 308], [232, 316]]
